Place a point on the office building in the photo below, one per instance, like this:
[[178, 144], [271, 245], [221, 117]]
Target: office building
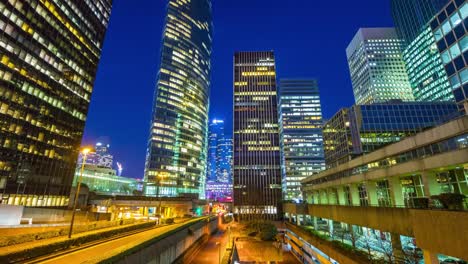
[[219, 191], [423, 63], [49, 53], [362, 129], [257, 168], [377, 68], [392, 200], [100, 156], [104, 180], [411, 16], [177, 146], [219, 172], [301, 133], [224, 170], [449, 27]]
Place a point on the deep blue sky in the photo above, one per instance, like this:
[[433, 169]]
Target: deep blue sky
[[309, 38]]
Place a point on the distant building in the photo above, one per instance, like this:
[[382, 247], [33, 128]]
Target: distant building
[[219, 172], [301, 133], [377, 68], [99, 157], [364, 128], [450, 30], [257, 162], [104, 180], [219, 191], [426, 73]]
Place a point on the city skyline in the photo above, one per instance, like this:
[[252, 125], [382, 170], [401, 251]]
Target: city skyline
[[132, 112]]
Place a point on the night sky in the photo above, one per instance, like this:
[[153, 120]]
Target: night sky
[[309, 38]]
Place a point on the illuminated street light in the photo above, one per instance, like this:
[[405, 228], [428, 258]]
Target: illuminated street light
[[85, 152]]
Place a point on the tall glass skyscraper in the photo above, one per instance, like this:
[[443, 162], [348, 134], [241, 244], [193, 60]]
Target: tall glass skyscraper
[[257, 168], [176, 156], [219, 153], [301, 133], [450, 28], [377, 68], [411, 16], [216, 135], [423, 63], [49, 53], [219, 172]]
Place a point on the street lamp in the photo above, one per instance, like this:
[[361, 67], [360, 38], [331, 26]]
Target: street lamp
[[85, 152], [219, 251], [158, 177]]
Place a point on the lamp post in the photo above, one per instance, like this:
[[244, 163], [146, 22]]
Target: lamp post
[[158, 177], [77, 191], [219, 251]]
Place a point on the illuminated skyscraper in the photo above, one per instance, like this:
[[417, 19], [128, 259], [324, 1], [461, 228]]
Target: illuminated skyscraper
[[216, 135], [301, 133], [411, 16], [423, 63], [450, 27], [257, 168], [176, 156], [49, 53], [377, 68]]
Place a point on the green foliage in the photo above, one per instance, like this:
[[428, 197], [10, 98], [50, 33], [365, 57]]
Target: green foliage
[[264, 230], [169, 220], [65, 244]]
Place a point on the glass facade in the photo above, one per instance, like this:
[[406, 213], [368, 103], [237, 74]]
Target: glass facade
[[423, 63], [444, 146], [450, 30], [426, 70], [364, 128], [377, 68], [177, 147], [257, 167], [219, 172], [49, 53], [411, 16], [301, 133], [104, 180]]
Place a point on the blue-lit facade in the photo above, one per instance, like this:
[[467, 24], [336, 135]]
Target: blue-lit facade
[[411, 16], [219, 172], [426, 73], [362, 129], [216, 136], [301, 133], [450, 30], [177, 148]]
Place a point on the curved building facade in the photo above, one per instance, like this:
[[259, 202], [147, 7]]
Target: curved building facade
[[176, 156]]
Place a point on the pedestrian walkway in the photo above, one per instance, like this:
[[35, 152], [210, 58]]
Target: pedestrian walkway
[[210, 253]]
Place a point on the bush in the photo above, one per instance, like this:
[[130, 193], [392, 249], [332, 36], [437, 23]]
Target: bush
[[453, 201], [65, 244], [264, 230], [169, 220]]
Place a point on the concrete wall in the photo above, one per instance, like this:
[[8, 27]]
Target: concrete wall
[[439, 231], [46, 215], [10, 214], [173, 247]]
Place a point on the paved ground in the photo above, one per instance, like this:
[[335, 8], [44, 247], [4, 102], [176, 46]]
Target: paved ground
[[209, 254]]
